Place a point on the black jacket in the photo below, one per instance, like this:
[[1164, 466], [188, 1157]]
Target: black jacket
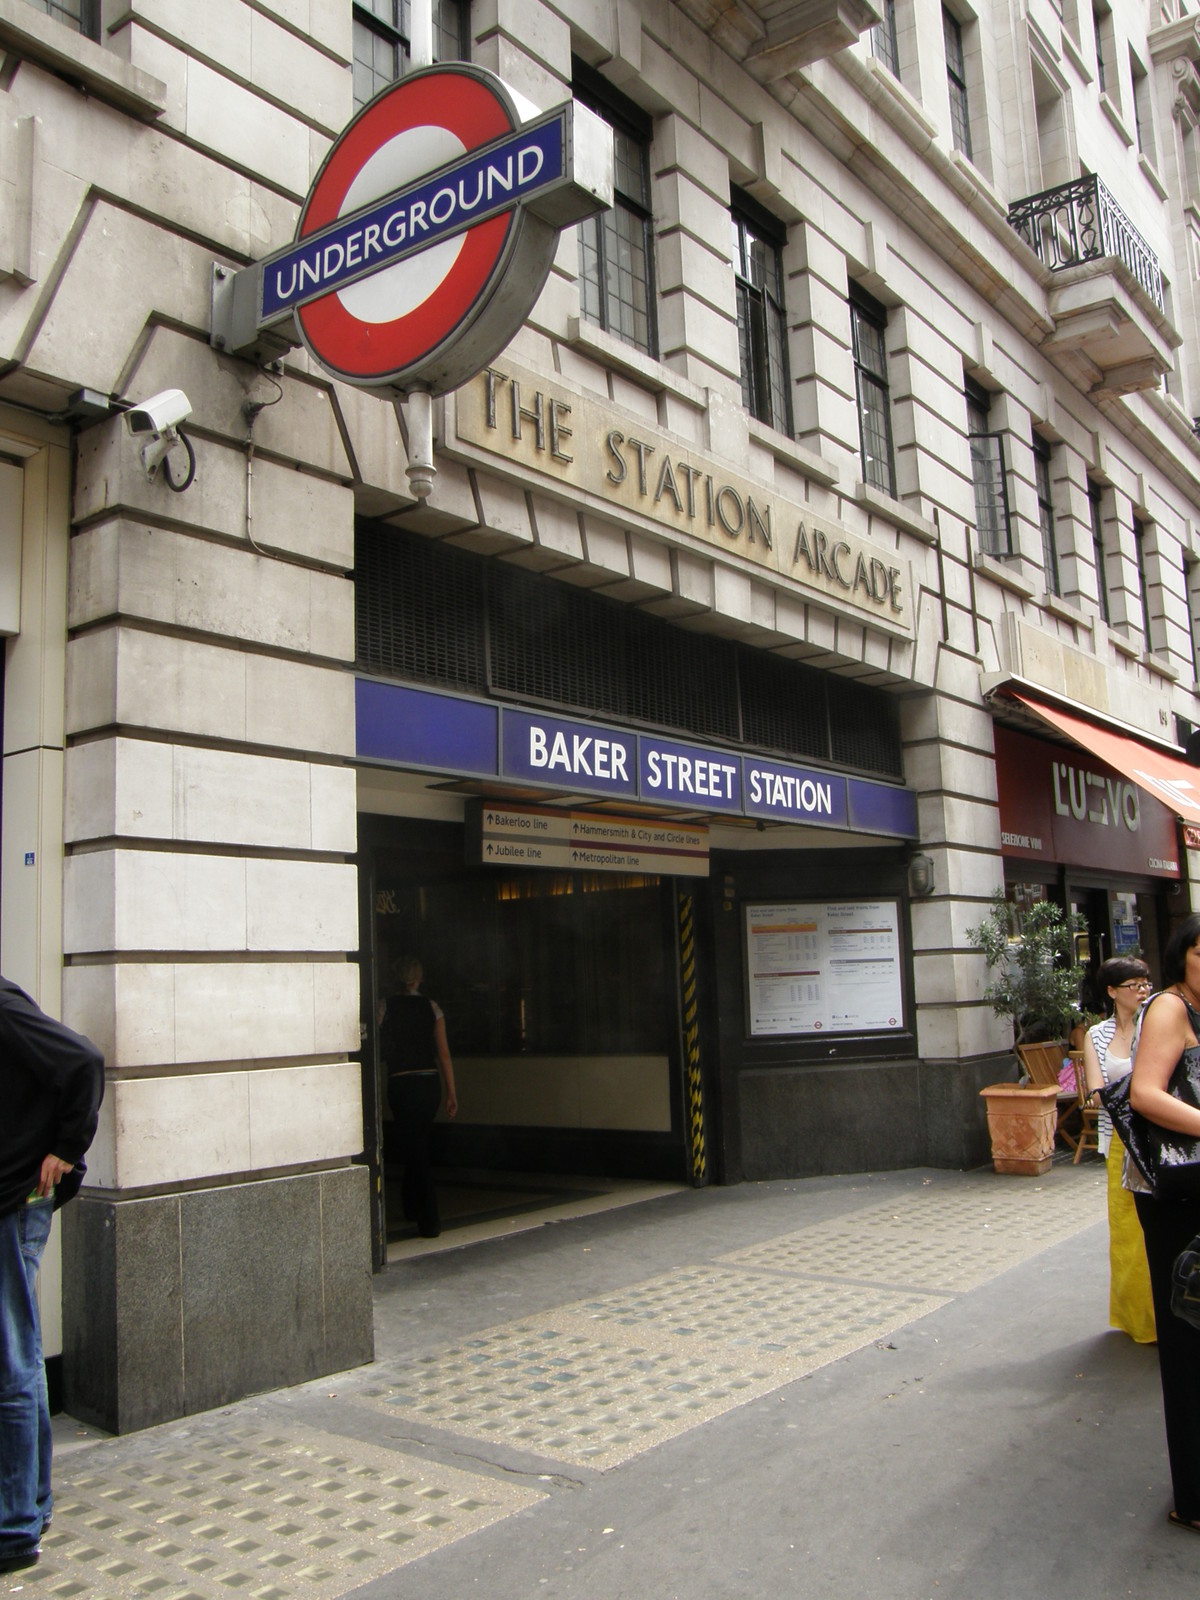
[[51, 1084]]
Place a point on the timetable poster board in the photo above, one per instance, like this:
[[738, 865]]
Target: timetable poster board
[[831, 966]]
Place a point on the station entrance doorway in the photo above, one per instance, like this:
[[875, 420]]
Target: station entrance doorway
[[560, 991]]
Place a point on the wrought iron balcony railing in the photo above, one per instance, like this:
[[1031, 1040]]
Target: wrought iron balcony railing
[[1081, 221]]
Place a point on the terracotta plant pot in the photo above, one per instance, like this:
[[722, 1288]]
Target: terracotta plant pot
[[1021, 1121]]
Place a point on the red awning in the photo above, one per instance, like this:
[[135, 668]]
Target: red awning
[[1168, 778]]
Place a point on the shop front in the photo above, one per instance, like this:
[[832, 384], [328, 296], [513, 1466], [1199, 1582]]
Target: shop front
[[1078, 830]]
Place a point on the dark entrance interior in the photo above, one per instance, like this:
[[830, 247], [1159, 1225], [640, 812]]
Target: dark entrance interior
[[560, 991]]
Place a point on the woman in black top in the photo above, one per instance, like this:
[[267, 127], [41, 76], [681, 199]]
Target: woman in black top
[[1170, 1034], [413, 1043]]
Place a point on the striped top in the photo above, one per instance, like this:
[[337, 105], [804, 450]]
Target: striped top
[[1102, 1036]]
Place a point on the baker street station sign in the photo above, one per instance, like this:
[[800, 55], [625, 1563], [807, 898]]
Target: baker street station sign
[[618, 459]]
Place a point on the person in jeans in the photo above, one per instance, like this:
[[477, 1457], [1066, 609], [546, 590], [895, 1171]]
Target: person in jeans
[[51, 1083]]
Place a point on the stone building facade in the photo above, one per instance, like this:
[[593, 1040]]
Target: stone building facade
[[836, 402]]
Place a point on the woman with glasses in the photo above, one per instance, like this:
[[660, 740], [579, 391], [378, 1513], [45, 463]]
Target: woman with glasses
[[1107, 1052]]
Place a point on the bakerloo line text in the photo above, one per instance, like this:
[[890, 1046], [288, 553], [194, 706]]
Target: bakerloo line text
[[737, 515]]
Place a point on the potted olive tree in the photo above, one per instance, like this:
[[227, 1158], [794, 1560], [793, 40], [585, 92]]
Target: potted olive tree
[[1034, 980]]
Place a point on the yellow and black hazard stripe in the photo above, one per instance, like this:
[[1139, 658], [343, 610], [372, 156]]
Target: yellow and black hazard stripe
[[691, 1042]]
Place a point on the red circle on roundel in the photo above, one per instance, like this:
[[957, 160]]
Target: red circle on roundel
[[469, 109]]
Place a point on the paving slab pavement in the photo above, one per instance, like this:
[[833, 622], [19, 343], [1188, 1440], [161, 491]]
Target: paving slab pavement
[[898, 1385]]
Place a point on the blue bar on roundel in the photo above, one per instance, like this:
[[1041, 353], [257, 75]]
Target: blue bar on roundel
[[415, 218]]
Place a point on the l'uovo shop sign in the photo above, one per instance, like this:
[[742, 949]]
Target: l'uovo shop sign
[[427, 235]]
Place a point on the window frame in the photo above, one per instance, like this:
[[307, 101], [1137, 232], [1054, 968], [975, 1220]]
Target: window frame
[[1141, 528], [598, 232], [1043, 454], [868, 313], [1144, 131], [86, 22], [1106, 44], [364, 16], [1099, 553], [979, 401], [885, 46], [956, 83], [1189, 567], [762, 338]]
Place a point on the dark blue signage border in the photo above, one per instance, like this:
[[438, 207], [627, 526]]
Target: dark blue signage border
[[419, 728]]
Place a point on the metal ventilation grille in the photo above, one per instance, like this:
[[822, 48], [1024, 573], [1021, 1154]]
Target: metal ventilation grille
[[573, 649], [429, 613], [547, 643], [784, 705], [684, 680], [864, 728], [418, 610]]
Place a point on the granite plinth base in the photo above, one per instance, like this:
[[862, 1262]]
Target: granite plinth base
[[177, 1303]]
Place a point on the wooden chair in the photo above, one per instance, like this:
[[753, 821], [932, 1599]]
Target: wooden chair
[[1043, 1063], [1089, 1130]]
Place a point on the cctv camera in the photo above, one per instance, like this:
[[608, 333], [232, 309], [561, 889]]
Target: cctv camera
[[157, 421], [161, 414]]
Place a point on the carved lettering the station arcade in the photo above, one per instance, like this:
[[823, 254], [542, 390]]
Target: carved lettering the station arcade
[[584, 442]]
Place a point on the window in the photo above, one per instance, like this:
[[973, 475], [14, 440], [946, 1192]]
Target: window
[[1096, 506], [956, 76], [615, 257], [987, 469], [1102, 23], [1041, 470], [1143, 113], [382, 31], [82, 15], [868, 323], [883, 39], [380, 46], [1139, 545], [1189, 596], [758, 279]]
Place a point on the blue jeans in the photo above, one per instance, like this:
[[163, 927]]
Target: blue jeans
[[24, 1409]]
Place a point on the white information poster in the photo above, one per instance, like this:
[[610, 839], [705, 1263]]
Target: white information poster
[[831, 966]]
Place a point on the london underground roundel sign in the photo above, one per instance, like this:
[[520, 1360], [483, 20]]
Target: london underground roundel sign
[[430, 229]]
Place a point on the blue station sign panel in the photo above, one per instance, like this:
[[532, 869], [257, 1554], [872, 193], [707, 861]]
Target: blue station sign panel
[[573, 755], [882, 808], [794, 794], [432, 732], [686, 774]]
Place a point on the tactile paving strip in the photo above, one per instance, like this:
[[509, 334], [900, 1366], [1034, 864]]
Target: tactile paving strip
[[596, 1383], [224, 1510], [941, 1241], [571, 1396], [604, 1379], [770, 1317]]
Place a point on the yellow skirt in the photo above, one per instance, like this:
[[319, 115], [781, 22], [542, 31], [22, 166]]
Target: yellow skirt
[[1130, 1307]]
